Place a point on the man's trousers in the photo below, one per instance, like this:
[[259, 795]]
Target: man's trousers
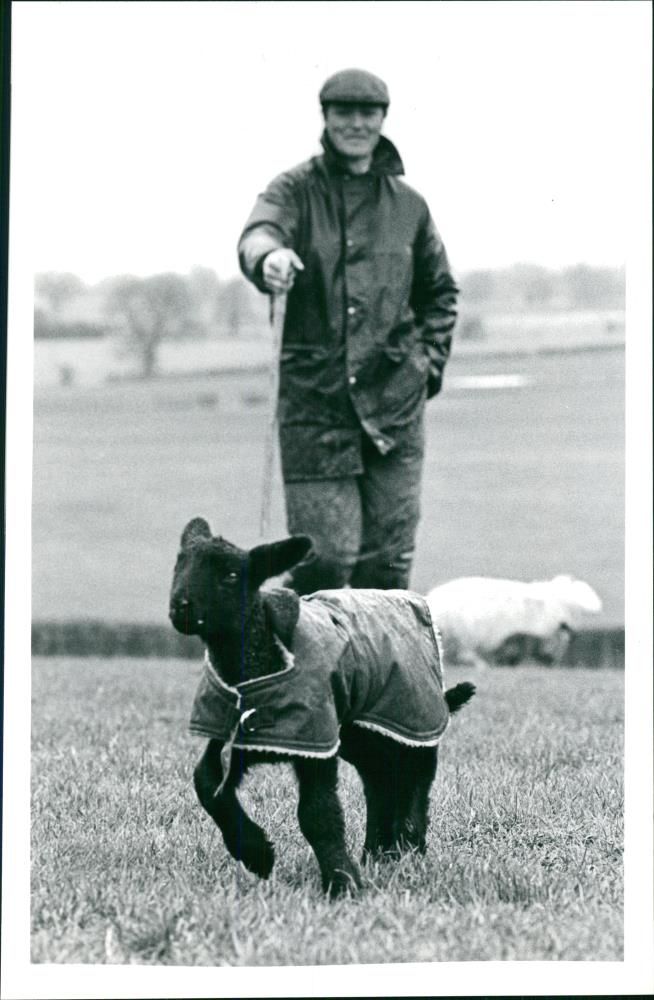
[[364, 526]]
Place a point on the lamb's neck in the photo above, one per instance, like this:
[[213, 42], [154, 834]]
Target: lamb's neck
[[246, 653]]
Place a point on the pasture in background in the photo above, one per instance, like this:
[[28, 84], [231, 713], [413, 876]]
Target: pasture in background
[[523, 478], [92, 361], [166, 323], [523, 861]]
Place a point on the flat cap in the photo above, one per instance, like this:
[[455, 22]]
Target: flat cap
[[355, 86]]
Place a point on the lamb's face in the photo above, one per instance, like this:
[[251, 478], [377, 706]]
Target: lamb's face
[[215, 583], [209, 592]]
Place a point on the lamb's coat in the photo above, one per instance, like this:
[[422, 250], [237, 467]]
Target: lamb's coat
[[362, 657]]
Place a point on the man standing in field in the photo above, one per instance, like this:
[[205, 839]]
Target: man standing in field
[[370, 312]]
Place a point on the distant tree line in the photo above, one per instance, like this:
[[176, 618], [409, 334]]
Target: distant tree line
[[528, 287], [144, 311]]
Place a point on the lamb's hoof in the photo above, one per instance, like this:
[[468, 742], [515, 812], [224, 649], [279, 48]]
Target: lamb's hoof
[[377, 852], [342, 882], [260, 862]]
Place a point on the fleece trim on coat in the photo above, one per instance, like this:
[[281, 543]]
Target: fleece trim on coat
[[358, 657]]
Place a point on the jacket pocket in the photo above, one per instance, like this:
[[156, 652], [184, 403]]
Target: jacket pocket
[[312, 451], [401, 342], [299, 353]]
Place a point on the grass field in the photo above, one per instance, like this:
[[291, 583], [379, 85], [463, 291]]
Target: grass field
[[524, 858], [523, 478]]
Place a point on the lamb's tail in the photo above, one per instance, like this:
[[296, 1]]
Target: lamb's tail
[[457, 696]]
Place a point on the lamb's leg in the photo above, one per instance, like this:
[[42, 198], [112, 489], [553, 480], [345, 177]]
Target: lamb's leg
[[373, 755], [244, 840], [411, 813], [379, 816], [552, 649], [397, 799], [321, 820], [396, 816]]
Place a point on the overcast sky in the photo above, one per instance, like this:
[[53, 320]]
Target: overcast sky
[[151, 127]]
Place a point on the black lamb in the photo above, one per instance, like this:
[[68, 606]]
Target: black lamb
[[349, 673]]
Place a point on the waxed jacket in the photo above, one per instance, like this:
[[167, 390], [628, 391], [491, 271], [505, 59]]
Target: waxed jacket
[[358, 657], [368, 322]]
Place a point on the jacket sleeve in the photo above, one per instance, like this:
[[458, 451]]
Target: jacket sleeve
[[433, 299], [273, 223]]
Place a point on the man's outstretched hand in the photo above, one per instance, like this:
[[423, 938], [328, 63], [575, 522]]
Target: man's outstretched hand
[[279, 269]]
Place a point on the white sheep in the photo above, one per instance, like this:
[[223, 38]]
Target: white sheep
[[486, 620]]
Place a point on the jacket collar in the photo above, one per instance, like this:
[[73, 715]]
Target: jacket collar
[[385, 159]]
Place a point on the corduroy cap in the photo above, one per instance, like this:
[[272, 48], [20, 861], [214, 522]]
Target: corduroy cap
[[355, 86]]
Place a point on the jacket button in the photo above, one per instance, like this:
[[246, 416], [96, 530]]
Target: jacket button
[[349, 243], [351, 310], [352, 379]]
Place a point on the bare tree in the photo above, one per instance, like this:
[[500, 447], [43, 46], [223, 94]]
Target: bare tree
[[150, 310], [57, 288], [478, 286], [242, 309], [205, 288]]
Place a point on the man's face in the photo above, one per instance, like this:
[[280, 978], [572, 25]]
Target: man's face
[[354, 128]]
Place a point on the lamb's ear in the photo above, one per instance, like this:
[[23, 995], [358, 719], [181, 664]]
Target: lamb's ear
[[283, 610], [265, 561], [196, 528]]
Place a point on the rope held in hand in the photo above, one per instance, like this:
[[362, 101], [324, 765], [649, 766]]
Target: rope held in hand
[[277, 314]]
